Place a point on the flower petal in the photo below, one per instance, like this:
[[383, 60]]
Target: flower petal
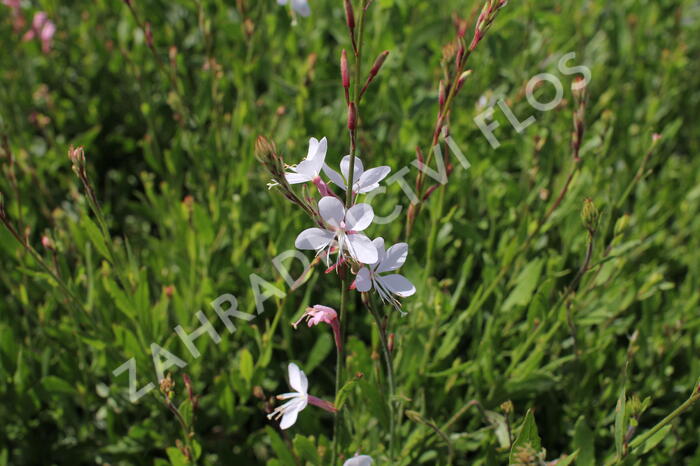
[[395, 258], [397, 284], [318, 157], [295, 178], [331, 210], [301, 7], [297, 379], [381, 252], [345, 168], [362, 460], [289, 418], [313, 142], [314, 238], [358, 217], [361, 248], [307, 168], [363, 280], [370, 179], [334, 176]]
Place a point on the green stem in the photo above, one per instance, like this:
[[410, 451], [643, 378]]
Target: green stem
[[340, 359], [432, 238], [389, 377], [639, 441]]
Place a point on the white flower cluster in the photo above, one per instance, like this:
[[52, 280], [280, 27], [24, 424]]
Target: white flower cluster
[[341, 231]]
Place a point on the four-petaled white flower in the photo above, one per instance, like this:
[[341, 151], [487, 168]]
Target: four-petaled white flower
[[310, 168], [362, 181], [341, 230], [370, 277], [300, 6], [360, 460], [297, 400]]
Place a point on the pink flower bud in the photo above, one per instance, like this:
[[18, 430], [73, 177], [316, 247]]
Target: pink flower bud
[[349, 15], [344, 73], [378, 64], [352, 116], [46, 242], [149, 35]]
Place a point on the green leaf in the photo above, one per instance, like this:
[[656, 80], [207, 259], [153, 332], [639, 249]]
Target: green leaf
[[655, 439], [186, 412], [96, 237], [306, 449], [584, 442], [569, 459], [176, 457], [246, 365], [323, 346], [55, 385], [620, 422], [528, 436], [280, 448], [526, 284]]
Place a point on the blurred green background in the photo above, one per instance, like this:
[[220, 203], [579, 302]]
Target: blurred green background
[[169, 139]]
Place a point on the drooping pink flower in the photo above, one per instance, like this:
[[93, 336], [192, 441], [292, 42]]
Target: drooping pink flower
[[322, 314]]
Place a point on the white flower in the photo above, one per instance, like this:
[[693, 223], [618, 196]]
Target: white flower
[[300, 6], [362, 181], [370, 277], [341, 231], [361, 460], [297, 400], [310, 168]]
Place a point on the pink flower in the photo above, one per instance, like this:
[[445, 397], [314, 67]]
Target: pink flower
[[318, 314], [12, 4], [44, 29]]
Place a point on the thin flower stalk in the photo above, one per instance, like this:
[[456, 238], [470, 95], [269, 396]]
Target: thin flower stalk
[[357, 35], [447, 94]]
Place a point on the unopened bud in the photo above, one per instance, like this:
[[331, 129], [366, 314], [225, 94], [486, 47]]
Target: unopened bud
[[352, 116], [578, 87], [149, 35], [390, 344], [430, 192], [621, 224], [258, 392], [344, 73], [462, 78], [47, 243], [460, 54], [635, 405], [264, 149], [76, 155], [378, 64], [349, 15], [167, 385], [507, 407], [590, 215]]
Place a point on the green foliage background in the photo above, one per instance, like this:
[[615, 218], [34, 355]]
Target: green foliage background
[[170, 154]]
